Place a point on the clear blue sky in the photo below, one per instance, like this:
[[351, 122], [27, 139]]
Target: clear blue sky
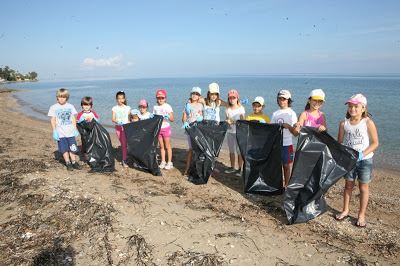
[[177, 38]]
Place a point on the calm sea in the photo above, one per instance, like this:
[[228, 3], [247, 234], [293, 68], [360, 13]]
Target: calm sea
[[382, 93]]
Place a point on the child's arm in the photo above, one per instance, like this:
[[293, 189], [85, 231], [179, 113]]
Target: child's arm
[[114, 119], [300, 122], [223, 103], [323, 128], [242, 117], [171, 117], [53, 123], [341, 132], [373, 137], [184, 117], [227, 117]]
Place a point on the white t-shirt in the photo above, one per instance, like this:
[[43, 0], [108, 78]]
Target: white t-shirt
[[145, 116], [211, 113], [234, 115], [287, 116], [164, 109], [63, 114], [122, 113]]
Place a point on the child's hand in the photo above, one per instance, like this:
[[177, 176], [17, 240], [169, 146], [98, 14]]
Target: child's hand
[[96, 119], [262, 121], [321, 128], [244, 101], [55, 135], [166, 116], [188, 108], [360, 156], [185, 125], [151, 115], [200, 118], [81, 119], [120, 123], [76, 132]]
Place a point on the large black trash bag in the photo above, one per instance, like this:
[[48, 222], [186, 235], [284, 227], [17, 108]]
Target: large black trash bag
[[320, 161], [261, 148], [206, 138], [96, 142], [142, 139]]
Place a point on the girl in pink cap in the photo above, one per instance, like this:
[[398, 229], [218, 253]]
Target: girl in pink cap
[[143, 109], [233, 113], [358, 132]]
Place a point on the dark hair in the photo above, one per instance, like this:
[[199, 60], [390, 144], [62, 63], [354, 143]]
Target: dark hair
[[208, 100], [364, 114], [121, 93], [289, 101], [87, 101]]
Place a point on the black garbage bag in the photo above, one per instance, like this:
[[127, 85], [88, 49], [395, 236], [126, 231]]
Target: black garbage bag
[[96, 142], [320, 161], [261, 148], [142, 139], [206, 138]]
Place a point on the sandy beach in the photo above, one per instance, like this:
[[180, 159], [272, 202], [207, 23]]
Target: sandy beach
[[49, 215]]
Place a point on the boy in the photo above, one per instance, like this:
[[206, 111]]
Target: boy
[[258, 105], [63, 124], [86, 115], [287, 118]]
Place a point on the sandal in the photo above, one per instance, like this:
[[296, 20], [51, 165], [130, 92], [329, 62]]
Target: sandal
[[340, 217], [361, 224]]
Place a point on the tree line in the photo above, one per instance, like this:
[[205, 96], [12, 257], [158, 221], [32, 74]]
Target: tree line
[[9, 74]]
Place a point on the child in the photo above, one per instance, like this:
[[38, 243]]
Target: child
[[164, 138], [143, 108], [358, 132], [63, 124], [233, 113], [86, 115], [120, 116], [287, 118], [135, 115], [312, 116], [196, 114], [212, 103], [258, 105]]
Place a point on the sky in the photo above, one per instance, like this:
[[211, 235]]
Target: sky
[[184, 38]]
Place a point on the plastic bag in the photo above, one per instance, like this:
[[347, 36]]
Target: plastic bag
[[206, 138], [142, 139], [96, 142], [320, 161], [261, 149]]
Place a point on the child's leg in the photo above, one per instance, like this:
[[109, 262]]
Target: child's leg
[[286, 173], [348, 189], [232, 158], [72, 156], [188, 160], [162, 150], [122, 138], [240, 161], [66, 157], [167, 143], [364, 197]]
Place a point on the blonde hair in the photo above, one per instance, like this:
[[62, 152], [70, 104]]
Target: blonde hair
[[63, 93], [208, 100]]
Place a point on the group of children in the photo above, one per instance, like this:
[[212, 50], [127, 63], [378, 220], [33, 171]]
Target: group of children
[[357, 131]]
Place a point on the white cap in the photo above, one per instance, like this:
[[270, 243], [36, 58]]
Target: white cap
[[285, 94], [317, 94], [213, 88], [196, 90], [259, 100]]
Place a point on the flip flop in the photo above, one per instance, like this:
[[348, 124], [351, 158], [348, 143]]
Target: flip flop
[[361, 224], [340, 217]]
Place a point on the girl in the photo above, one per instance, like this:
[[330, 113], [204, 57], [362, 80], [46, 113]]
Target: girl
[[233, 113], [196, 114], [164, 139], [120, 116], [358, 132], [312, 116], [143, 108]]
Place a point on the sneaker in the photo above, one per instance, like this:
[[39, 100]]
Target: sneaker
[[168, 166], [162, 165], [69, 167], [230, 170], [239, 173], [76, 166], [124, 164]]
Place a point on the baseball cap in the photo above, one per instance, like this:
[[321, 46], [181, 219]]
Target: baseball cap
[[285, 94], [259, 100], [161, 94], [143, 103], [196, 90], [135, 112], [233, 93], [357, 99], [317, 95], [213, 88]]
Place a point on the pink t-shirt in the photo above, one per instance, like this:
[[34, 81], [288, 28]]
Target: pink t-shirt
[[314, 121]]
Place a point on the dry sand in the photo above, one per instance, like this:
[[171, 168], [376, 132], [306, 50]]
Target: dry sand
[[49, 215]]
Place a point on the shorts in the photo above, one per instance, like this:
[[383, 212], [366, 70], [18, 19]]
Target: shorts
[[287, 154], [189, 141], [165, 133], [67, 144], [232, 143], [363, 170]]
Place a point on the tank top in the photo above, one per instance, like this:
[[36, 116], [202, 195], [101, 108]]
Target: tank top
[[314, 121], [357, 136]]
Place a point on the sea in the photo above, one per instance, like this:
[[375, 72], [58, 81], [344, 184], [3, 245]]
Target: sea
[[382, 92]]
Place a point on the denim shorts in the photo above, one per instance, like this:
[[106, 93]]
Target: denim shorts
[[363, 170]]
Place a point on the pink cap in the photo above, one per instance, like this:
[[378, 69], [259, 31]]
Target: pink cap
[[143, 103], [161, 94], [357, 99], [233, 93]]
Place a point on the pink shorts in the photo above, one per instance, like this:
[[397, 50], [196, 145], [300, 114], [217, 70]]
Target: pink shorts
[[165, 133]]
